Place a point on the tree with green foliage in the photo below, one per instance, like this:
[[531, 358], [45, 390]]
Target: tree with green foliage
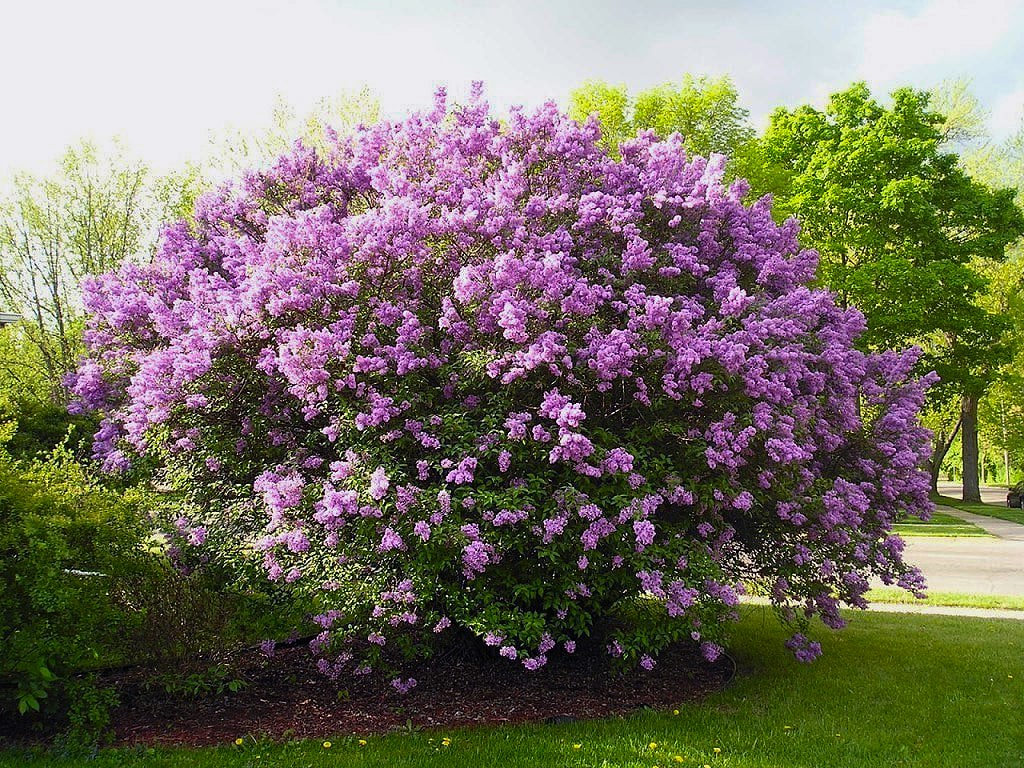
[[900, 228], [1001, 413], [234, 151], [100, 207], [705, 111], [964, 120], [56, 230]]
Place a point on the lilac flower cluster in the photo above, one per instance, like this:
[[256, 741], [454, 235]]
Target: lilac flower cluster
[[452, 371]]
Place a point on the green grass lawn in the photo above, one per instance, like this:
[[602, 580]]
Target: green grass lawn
[[989, 510], [956, 599], [939, 524], [891, 690]]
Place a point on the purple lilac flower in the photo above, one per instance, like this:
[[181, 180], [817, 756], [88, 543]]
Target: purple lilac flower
[[504, 461], [711, 651], [644, 530], [390, 541], [536, 278], [463, 473], [804, 649], [422, 529], [379, 484], [403, 686]]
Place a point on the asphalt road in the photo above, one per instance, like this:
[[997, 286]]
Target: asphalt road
[[990, 566], [989, 494]]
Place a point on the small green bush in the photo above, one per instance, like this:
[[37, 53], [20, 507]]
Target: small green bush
[[42, 426], [86, 583], [65, 544]]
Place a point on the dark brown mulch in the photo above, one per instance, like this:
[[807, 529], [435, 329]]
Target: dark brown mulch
[[287, 697]]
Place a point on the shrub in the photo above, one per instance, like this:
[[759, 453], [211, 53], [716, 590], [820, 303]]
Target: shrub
[[65, 545], [84, 585], [453, 372], [29, 402], [41, 427]]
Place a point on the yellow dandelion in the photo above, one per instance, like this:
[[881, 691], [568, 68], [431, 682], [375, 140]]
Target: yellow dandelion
[[675, 711], [717, 750], [446, 742], [677, 758], [362, 742], [239, 742], [577, 746], [653, 745], [327, 745]]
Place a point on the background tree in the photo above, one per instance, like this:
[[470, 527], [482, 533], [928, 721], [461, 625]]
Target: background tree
[[705, 111], [236, 150], [1001, 412], [964, 120], [54, 231], [900, 227]]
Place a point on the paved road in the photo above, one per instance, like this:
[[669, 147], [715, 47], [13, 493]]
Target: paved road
[[974, 565], [990, 494]]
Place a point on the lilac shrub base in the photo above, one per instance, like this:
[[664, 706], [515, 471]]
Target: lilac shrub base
[[457, 373]]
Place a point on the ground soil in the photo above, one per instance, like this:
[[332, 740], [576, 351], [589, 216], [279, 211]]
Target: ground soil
[[286, 697]]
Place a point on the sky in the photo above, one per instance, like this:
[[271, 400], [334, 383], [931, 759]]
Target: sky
[[164, 75]]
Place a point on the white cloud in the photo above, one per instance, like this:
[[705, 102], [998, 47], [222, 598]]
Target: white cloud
[[897, 44], [163, 75], [1008, 114]]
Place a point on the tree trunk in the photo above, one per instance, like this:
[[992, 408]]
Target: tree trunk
[[969, 427], [941, 443]]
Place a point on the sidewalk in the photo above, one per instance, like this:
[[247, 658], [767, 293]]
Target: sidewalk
[[968, 565], [934, 610], [1003, 529], [947, 610]]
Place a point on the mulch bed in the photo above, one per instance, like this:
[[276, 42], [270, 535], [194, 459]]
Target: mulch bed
[[286, 697]]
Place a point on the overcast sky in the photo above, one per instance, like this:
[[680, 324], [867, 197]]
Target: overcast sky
[[164, 74]]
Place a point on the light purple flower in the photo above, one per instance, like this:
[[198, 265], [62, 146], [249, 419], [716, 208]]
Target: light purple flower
[[390, 541], [379, 484], [403, 686]]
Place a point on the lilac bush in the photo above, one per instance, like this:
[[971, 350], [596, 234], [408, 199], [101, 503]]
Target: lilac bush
[[462, 374]]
